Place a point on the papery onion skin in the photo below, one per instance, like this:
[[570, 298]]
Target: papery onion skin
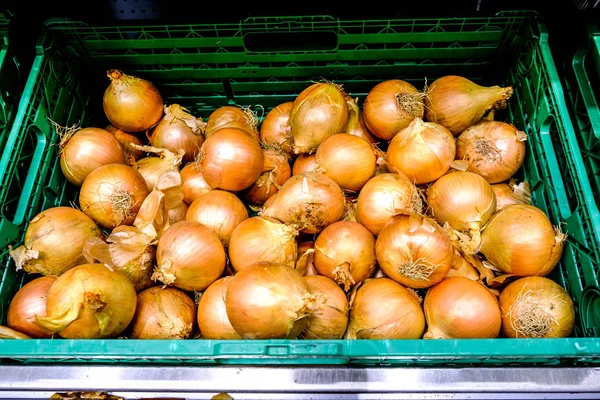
[[330, 320], [461, 267], [384, 309], [193, 184], [131, 103], [536, 307], [232, 117], [26, 303], [127, 139], [9, 333], [153, 167], [304, 163], [163, 313], [276, 129], [508, 194], [459, 308], [212, 312], [521, 240], [54, 241], [276, 171], [219, 210], [305, 260], [415, 251]]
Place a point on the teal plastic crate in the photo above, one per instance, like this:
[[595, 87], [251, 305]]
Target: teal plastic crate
[[258, 62]]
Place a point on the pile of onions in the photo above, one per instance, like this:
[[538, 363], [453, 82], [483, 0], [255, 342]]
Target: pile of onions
[[89, 301], [310, 200], [30, 301], [231, 159], [165, 313], [390, 106], [536, 307], [112, 195], [384, 196], [345, 252], [213, 321], [153, 167], [383, 309], [356, 123], [131, 103], [232, 117], [422, 150], [511, 193], [54, 241], [275, 128], [414, 251], [179, 131], [492, 149], [261, 238], [347, 159], [521, 240], [304, 163], [220, 211], [189, 256], [276, 171], [329, 319], [458, 103], [319, 111], [87, 149], [459, 308], [193, 184]]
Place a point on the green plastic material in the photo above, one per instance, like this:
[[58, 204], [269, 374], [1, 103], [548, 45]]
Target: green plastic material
[[262, 62]]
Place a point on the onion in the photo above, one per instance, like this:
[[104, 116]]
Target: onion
[[54, 241], [319, 111], [152, 168], [112, 195], [8, 333], [220, 211], [189, 256], [131, 103], [275, 128], [89, 301], [276, 171], [345, 252], [165, 313], [356, 123], [127, 140], [30, 301], [457, 103], [309, 200], [82, 151], [459, 308], [511, 193], [384, 196], [383, 309], [305, 260], [536, 307], [260, 239], [232, 117], [269, 301], [231, 160], [390, 106], [193, 184], [492, 149], [179, 131], [349, 160], [304, 163], [414, 251], [330, 319], [212, 312], [521, 240], [423, 151]]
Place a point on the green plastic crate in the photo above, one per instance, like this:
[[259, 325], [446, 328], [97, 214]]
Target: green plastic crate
[[258, 62]]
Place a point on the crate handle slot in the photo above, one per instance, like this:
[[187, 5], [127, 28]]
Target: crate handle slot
[[583, 82]]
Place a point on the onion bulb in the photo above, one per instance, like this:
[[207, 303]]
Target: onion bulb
[[232, 117], [84, 150], [112, 195], [276, 170], [193, 184], [356, 123], [347, 159], [304, 163], [415, 251], [305, 260], [260, 239], [330, 319], [521, 240], [90, 301], [382, 308], [511, 193], [165, 313], [384, 196], [179, 131], [153, 167], [8, 333], [127, 141], [219, 211], [457, 103], [345, 252], [28, 302], [492, 149], [390, 106], [54, 241], [422, 150], [536, 307], [213, 321], [189, 256], [319, 111], [310, 200], [131, 103], [459, 308], [275, 128], [231, 160]]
